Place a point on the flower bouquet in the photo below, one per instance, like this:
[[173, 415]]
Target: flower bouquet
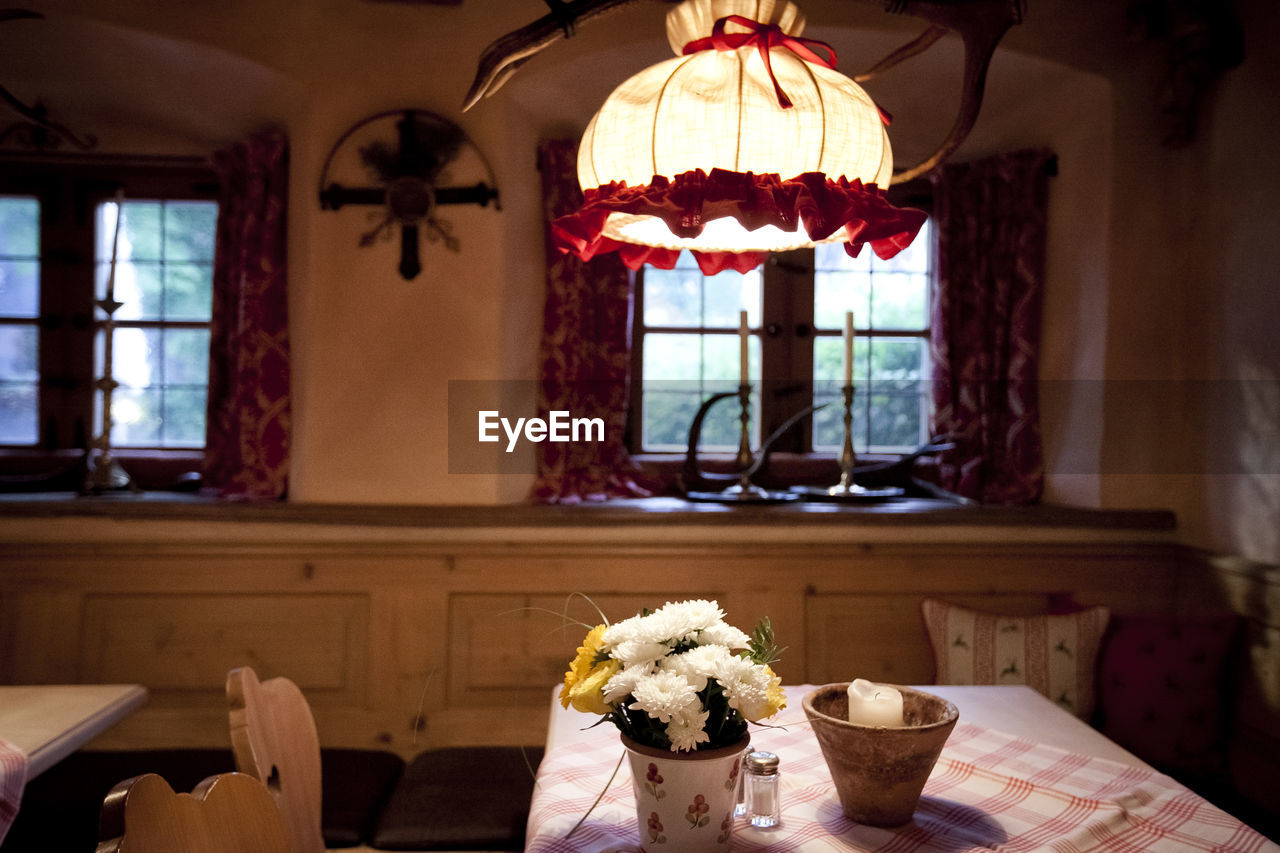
[[681, 686], [677, 678]]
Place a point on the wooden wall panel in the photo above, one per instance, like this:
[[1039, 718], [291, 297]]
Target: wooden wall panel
[[181, 646]]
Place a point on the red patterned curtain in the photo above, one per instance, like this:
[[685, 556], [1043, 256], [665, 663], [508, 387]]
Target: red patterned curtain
[[986, 325], [247, 443], [585, 353]]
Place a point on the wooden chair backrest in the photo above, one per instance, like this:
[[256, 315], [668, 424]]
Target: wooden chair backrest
[[227, 813], [273, 738]]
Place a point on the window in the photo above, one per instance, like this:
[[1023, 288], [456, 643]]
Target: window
[[58, 236], [685, 348]]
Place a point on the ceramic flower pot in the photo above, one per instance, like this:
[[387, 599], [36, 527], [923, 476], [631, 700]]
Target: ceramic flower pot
[[880, 771], [685, 800]]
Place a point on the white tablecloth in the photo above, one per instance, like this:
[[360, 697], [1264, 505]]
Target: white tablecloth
[[989, 790]]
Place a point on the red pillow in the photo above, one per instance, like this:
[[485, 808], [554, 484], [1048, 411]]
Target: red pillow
[[1161, 689]]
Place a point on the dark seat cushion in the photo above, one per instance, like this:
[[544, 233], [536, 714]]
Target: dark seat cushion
[[60, 807], [461, 798], [355, 784]]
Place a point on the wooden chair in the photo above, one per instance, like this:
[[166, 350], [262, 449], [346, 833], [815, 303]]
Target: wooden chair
[[226, 813], [273, 738]]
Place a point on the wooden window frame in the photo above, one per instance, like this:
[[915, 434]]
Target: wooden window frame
[[786, 352], [69, 191]]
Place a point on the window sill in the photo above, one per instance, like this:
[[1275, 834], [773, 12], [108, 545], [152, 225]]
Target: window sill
[[631, 513], [42, 471]]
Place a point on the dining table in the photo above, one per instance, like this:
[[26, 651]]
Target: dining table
[[41, 724], [1017, 773]]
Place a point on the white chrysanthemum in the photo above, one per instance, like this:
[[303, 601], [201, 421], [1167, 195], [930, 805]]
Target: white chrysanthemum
[[746, 688], [634, 652], [685, 619], [687, 732], [725, 635], [628, 630], [665, 695], [698, 664], [623, 683]]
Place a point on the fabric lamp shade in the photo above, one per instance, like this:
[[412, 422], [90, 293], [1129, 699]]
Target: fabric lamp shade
[[749, 141]]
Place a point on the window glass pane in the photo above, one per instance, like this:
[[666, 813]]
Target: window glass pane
[[135, 357], [897, 358], [19, 288], [19, 356], [19, 257], [899, 301], [135, 416], [672, 297], [727, 294], [897, 421], [19, 388], [183, 417], [18, 413], [189, 230], [19, 227], [186, 357], [835, 292], [188, 291]]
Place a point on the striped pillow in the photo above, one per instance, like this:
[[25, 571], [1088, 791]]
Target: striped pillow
[[1054, 655]]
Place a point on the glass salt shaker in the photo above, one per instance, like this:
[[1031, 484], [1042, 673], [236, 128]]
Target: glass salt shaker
[[760, 789]]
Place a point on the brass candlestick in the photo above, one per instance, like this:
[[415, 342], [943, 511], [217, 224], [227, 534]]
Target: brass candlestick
[[104, 472], [744, 489], [848, 460]]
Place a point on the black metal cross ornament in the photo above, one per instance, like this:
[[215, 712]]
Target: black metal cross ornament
[[408, 173]]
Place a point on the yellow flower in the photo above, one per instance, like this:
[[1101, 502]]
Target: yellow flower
[[584, 682], [774, 700]]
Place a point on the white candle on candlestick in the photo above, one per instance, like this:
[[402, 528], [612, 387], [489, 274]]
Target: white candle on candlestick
[[744, 334], [848, 348], [874, 704]]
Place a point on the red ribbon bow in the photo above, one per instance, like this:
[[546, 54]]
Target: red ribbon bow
[[764, 37]]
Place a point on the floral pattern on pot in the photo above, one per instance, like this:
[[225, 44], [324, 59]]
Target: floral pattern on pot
[[652, 780], [655, 830], [697, 812]]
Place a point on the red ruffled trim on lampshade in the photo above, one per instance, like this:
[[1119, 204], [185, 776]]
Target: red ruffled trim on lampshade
[[694, 198]]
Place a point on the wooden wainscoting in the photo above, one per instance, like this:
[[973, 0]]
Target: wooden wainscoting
[[408, 645]]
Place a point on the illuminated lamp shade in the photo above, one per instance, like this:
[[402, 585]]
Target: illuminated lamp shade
[[748, 142]]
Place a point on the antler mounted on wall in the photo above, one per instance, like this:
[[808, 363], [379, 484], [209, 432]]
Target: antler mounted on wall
[[979, 23]]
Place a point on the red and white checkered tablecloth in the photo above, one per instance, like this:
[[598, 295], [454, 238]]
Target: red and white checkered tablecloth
[[13, 778], [989, 791]]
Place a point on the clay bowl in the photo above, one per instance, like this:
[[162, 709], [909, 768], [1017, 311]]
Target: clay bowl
[[880, 771]]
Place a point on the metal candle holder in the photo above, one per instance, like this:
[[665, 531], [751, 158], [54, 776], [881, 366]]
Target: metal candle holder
[[848, 459], [104, 472], [744, 489]]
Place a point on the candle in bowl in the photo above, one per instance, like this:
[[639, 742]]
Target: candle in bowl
[[873, 704]]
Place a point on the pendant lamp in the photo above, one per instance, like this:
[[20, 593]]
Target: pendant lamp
[[748, 142]]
